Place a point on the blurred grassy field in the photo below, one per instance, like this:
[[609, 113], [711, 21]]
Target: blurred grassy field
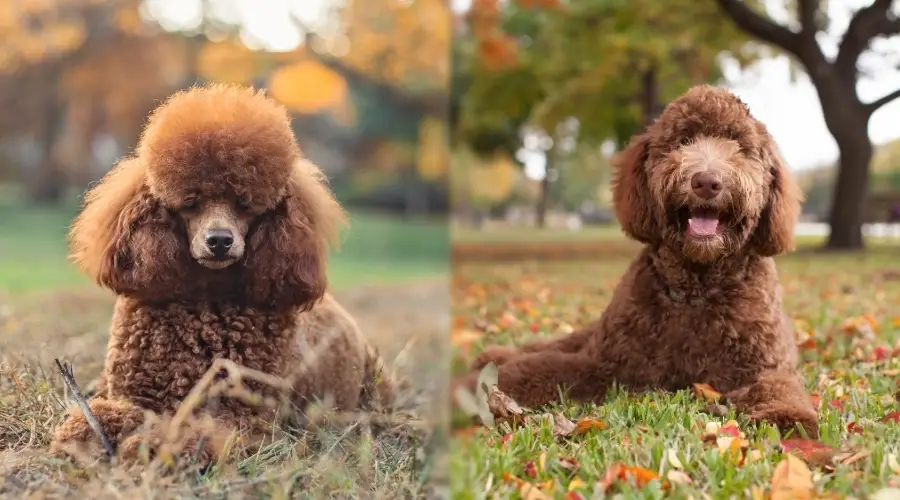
[[376, 249]]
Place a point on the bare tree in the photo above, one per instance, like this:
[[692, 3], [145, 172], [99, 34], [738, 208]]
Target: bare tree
[[846, 115]]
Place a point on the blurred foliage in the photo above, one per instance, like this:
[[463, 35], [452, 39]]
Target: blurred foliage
[[612, 64], [371, 76]]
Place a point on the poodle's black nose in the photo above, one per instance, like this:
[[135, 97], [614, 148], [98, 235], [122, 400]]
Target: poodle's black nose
[[706, 185], [219, 241]]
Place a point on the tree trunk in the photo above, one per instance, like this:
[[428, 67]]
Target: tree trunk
[[47, 184], [544, 196], [848, 122], [649, 98], [851, 187]]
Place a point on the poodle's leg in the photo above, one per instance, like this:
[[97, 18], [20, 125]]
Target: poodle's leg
[[499, 355], [538, 378], [117, 417], [379, 391], [200, 438], [777, 397]]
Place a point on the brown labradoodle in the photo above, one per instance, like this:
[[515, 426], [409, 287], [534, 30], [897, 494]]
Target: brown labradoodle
[[705, 190], [215, 238]]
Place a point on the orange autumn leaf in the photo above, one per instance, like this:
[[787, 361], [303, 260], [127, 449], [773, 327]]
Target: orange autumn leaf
[[791, 480], [706, 392], [618, 471], [586, 424]]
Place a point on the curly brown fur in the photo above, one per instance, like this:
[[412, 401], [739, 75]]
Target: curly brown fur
[[215, 239], [701, 303]]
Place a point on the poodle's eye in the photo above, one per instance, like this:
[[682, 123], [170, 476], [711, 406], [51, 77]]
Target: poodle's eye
[[243, 203], [190, 203]]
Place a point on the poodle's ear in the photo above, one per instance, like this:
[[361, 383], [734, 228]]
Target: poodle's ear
[[287, 251], [632, 198], [123, 239], [774, 233]]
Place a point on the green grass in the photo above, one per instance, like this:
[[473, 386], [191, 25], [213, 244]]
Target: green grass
[[824, 293], [376, 249]]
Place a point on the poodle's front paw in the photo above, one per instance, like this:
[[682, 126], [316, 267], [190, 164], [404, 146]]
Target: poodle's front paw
[[494, 354], [117, 418], [789, 417], [199, 445]]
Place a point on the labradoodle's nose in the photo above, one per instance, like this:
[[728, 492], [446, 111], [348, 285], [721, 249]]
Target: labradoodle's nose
[[219, 241], [706, 185]]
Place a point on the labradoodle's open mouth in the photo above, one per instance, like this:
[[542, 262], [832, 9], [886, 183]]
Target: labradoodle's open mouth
[[703, 223]]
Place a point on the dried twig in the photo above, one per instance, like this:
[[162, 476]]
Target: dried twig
[[68, 375]]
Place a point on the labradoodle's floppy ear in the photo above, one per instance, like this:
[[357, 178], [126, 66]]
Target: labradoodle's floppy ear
[[123, 239], [631, 192], [287, 252], [775, 230]]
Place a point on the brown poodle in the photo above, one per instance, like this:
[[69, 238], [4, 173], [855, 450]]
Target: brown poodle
[[706, 191], [215, 239]]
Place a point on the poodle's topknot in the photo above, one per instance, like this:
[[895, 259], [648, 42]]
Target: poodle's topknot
[[220, 141]]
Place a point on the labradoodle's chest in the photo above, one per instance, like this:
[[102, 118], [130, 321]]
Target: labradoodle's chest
[[711, 338], [157, 354]]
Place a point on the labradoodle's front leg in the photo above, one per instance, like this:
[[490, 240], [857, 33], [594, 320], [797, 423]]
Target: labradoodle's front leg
[[780, 398], [499, 355], [538, 378]]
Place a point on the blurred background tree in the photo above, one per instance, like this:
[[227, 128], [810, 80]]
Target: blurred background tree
[[364, 80], [528, 66], [366, 83]]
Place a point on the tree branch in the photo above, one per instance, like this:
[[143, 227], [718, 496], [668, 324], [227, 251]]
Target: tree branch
[[761, 27], [68, 375], [807, 10], [868, 23], [881, 101]]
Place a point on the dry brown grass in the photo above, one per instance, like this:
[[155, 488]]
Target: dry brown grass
[[348, 455]]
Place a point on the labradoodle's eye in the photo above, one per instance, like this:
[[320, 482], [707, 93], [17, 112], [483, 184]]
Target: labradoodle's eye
[[190, 203], [243, 203]]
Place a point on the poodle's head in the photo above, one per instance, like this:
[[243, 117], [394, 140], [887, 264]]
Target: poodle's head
[[218, 201], [707, 181]]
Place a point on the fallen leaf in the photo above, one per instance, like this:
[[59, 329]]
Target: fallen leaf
[[891, 373], [886, 494], [621, 472], [678, 477], [706, 392], [531, 469], [586, 424], [573, 495], [812, 452], [757, 493], [893, 416], [855, 428], [791, 480], [568, 463], [672, 457], [892, 463], [503, 407], [562, 426], [529, 491], [816, 400], [576, 483]]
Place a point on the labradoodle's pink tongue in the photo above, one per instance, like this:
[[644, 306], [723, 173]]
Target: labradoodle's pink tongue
[[703, 226]]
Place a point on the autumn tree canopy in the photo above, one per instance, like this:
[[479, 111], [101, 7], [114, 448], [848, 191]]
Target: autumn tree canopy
[[612, 65]]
